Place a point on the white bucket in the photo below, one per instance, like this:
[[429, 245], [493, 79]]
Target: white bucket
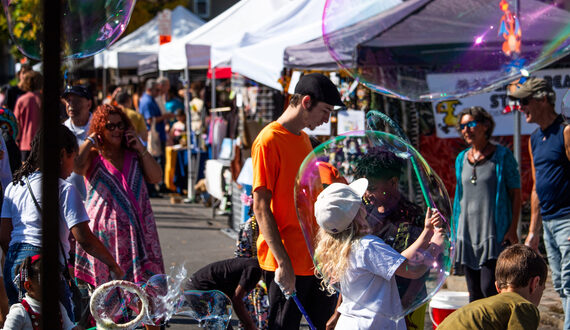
[[444, 303]]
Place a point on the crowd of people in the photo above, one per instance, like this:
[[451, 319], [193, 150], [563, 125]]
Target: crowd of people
[[486, 210], [108, 174], [112, 162]]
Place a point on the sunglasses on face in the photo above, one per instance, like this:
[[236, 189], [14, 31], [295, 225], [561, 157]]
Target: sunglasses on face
[[524, 101], [111, 126], [469, 124]]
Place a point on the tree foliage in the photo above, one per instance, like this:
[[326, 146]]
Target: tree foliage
[[146, 10], [143, 12]]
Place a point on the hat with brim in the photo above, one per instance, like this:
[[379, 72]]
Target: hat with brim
[[77, 90], [530, 86], [338, 204]]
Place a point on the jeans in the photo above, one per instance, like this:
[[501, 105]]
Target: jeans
[[16, 254], [556, 233]]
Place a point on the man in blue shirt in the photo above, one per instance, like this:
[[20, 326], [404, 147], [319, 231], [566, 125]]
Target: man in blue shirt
[[151, 112], [550, 197]]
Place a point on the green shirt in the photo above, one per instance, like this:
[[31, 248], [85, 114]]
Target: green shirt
[[507, 310]]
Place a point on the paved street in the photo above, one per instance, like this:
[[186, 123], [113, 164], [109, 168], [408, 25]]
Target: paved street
[[189, 235]]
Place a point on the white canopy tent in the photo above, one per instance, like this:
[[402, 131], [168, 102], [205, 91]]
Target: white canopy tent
[[231, 24], [259, 54], [127, 52]]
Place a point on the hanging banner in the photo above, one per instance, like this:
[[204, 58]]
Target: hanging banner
[[164, 26], [445, 112]]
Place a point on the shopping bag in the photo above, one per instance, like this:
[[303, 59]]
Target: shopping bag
[[154, 143]]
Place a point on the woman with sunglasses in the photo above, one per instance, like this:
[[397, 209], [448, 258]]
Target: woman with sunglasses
[[487, 201], [21, 222], [116, 166]]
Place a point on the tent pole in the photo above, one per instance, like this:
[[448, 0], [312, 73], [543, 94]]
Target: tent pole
[[187, 110], [517, 130], [213, 106]]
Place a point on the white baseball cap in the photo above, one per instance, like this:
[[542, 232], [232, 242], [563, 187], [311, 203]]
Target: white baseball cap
[[338, 204]]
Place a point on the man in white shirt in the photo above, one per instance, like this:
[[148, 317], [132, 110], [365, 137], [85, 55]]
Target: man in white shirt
[[78, 105]]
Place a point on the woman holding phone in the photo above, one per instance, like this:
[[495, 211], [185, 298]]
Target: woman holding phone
[[116, 166]]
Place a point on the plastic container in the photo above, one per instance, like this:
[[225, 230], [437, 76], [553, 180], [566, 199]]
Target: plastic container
[[444, 303]]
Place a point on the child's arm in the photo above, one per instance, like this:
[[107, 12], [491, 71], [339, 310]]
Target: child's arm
[[411, 268], [93, 246], [241, 311]]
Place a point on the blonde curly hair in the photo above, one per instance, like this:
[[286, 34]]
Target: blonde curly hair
[[333, 250]]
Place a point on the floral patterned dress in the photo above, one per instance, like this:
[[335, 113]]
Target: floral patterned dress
[[121, 217]]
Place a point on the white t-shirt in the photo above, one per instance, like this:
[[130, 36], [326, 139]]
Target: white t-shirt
[[18, 318], [27, 226], [369, 290], [81, 133]]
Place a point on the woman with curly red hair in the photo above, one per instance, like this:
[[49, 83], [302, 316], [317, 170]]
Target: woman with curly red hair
[[116, 166]]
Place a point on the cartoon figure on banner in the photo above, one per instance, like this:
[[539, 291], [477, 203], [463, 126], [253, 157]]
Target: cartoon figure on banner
[[510, 29], [448, 108], [8, 122]]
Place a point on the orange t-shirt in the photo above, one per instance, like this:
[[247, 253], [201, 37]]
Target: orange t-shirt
[[277, 155]]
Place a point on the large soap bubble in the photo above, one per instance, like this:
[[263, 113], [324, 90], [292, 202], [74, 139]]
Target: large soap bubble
[[212, 309], [87, 27], [401, 186], [125, 305], [424, 50]]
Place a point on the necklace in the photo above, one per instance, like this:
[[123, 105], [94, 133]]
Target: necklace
[[477, 161]]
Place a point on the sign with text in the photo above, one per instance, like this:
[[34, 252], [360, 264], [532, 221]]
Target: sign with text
[[445, 112]]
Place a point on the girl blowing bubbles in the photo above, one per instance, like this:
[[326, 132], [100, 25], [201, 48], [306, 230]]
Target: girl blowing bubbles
[[363, 264], [27, 314]]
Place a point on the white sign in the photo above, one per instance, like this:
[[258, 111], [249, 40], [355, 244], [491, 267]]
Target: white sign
[[323, 129], [445, 112], [350, 120], [165, 23]]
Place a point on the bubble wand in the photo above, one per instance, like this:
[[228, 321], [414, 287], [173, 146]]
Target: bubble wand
[[299, 305]]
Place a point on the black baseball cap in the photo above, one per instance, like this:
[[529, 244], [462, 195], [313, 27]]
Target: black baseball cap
[[78, 90], [320, 87]]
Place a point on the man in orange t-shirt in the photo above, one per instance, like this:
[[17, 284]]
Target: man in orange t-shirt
[[277, 154]]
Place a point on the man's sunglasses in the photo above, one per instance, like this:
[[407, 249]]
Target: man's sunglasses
[[469, 124], [120, 125], [524, 101]]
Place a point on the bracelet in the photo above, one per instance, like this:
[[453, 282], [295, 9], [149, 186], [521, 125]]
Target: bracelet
[[90, 139], [144, 153]]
